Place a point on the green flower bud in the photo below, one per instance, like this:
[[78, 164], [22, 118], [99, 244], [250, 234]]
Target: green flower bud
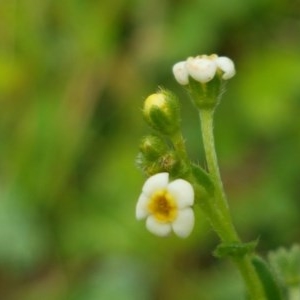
[[153, 147], [161, 111]]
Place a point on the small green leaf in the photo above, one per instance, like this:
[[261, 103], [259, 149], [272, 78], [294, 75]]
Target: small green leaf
[[270, 284], [234, 249], [202, 178]]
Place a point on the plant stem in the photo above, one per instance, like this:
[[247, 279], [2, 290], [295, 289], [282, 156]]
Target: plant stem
[[206, 119], [251, 279], [220, 214]]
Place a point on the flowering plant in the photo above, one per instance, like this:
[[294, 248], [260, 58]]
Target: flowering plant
[[175, 183]]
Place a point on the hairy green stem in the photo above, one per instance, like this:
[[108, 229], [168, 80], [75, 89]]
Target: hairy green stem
[[219, 212], [206, 119]]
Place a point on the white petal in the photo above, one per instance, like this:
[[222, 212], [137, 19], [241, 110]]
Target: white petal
[[180, 73], [157, 228], [182, 191], [184, 223], [141, 210], [201, 69], [227, 66], [155, 182]]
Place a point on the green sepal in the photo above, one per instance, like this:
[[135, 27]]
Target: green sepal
[[206, 95], [202, 178], [267, 278], [160, 122], [234, 249]]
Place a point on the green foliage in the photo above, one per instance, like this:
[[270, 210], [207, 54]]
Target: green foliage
[[286, 265]]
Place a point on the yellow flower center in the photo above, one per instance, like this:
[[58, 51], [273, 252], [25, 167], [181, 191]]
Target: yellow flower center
[[163, 206]]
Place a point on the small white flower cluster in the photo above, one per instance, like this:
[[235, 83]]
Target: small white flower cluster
[[203, 68], [166, 206]]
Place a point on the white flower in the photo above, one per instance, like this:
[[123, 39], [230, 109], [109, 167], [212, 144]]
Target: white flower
[[203, 68], [166, 206]]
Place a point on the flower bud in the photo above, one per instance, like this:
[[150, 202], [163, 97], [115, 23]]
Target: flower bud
[[161, 111], [153, 147]]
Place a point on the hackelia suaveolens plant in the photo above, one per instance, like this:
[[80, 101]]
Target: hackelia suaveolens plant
[[166, 205], [175, 182]]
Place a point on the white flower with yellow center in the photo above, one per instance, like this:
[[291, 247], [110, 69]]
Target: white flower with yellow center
[[166, 205], [203, 68]]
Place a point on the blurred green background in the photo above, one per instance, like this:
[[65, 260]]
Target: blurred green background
[[73, 76]]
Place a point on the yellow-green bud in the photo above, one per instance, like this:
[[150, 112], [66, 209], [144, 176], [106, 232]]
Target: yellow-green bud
[[161, 111]]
